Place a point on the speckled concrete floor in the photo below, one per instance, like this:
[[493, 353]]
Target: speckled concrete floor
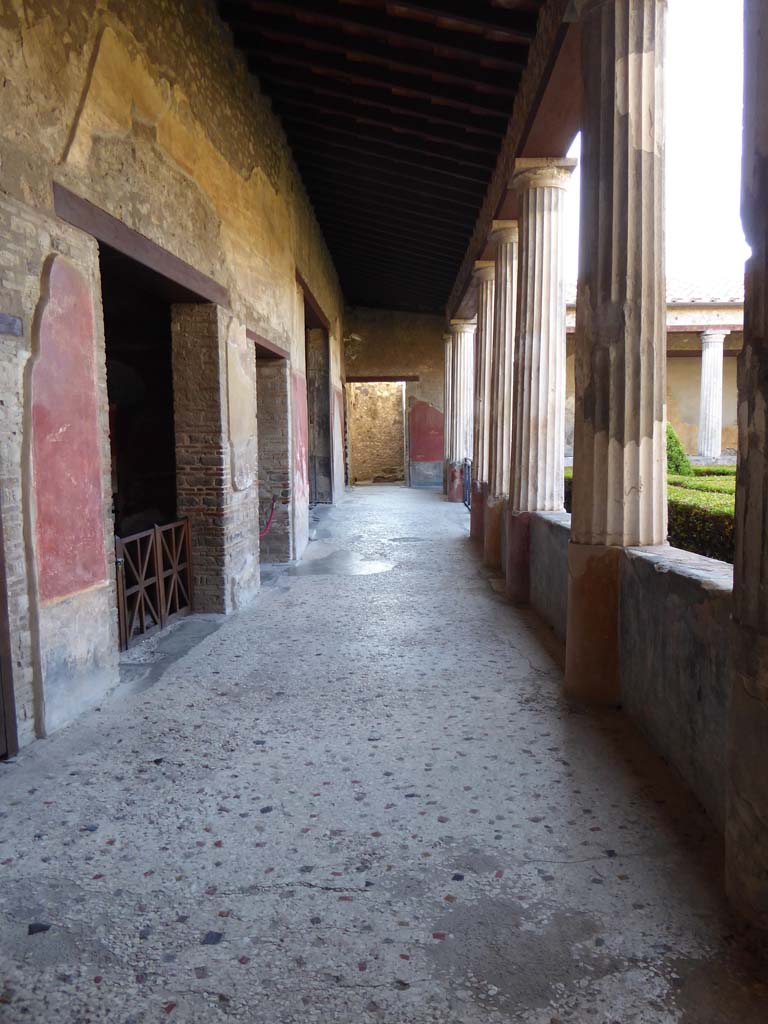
[[363, 800]]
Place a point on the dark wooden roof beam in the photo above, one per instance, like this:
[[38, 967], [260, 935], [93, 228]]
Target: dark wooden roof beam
[[448, 250], [375, 200], [491, 22], [399, 184], [438, 235], [312, 153], [369, 99], [347, 187], [371, 235], [380, 143], [325, 67], [476, 79], [349, 112], [369, 24]]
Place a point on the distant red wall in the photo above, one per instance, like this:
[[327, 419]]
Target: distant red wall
[[425, 430], [66, 468]]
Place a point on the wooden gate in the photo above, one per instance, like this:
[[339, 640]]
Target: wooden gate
[[154, 579]]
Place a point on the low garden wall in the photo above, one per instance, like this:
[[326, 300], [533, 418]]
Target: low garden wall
[[674, 647], [549, 568], [675, 657]]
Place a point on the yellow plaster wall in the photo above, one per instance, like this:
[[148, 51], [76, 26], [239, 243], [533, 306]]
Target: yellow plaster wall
[[146, 109], [683, 380]]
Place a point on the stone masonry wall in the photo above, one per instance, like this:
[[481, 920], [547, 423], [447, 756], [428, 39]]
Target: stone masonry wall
[[384, 343], [46, 638], [275, 470], [376, 432], [146, 110]]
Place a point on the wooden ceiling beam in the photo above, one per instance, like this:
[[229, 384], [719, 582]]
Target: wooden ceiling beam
[[476, 79], [364, 138], [408, 170], [375, 230], [399, 185], [361, 139], [367, 23], [398, 208], [331, 67], [369, 99], [347, 112], [371, 233], [373, 225], [491, 22], [393, 194]]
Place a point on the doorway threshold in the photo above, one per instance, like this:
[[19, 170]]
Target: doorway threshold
[[147, 660]]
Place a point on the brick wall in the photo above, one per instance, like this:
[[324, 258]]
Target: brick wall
[[219, 497], [376, 432], [275, 471]]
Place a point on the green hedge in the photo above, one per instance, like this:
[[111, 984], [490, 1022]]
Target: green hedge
[[714, 471], [701, 521], [700, 512], [714, 484]]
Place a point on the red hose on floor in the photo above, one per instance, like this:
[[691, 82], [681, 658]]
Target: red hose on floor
[[265, 531]]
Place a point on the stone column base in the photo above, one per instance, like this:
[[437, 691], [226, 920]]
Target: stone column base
[[492, 527], [592, 639], [477, 510], [746, 826], [455, 486], [519, 557]]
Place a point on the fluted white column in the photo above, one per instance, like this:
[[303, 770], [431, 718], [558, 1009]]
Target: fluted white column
[[538, 406], [462, 403], [619, 467], [504, 237], [447, 406], [484, 274], [711, 401], [538, 418]]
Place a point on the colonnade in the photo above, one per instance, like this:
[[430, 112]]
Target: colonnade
[[619, 472]]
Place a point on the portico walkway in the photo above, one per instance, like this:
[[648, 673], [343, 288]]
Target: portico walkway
[[363, 800]]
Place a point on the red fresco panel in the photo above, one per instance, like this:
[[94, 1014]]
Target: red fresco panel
[[425, 431], [66, 468], [300, 438]]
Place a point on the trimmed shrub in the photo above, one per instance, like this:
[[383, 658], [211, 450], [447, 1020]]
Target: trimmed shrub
[[712, 484], [677, 460], [714, 471], [701, 521]]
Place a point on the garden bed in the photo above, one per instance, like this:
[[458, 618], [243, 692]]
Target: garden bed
[[700, 509]]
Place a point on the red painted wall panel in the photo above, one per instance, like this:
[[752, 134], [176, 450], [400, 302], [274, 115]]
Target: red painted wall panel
[[66, 468], [425, 431], [300, 437]]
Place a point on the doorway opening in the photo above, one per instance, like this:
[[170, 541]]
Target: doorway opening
[[319, 408], [275, 450], [152, 545], [377, 432]]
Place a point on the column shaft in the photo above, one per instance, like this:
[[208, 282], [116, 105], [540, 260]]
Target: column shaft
[[447, 408], [746, 833], [619, 474], [505, 237], [462, 404], [711, 400], [538, 411], [484, 273]]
